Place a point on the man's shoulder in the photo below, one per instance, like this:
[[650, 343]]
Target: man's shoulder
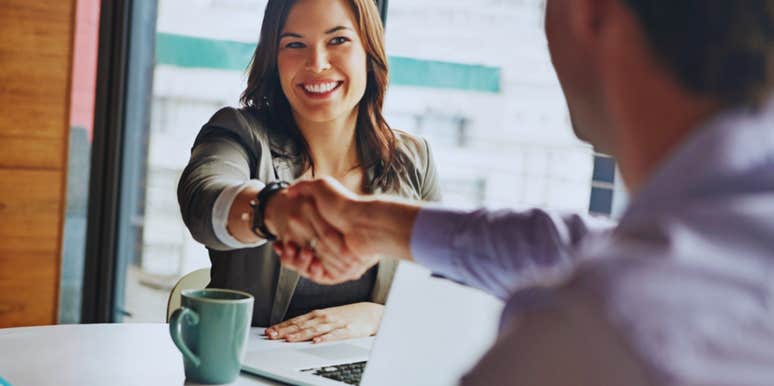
[[558, 337], [677, 305]]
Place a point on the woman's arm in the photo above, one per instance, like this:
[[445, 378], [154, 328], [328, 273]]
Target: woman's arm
[[220, 159]]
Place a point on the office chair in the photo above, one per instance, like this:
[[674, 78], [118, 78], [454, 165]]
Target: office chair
[[192, 280]]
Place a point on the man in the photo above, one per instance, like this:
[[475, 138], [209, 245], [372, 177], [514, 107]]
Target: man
[[681, 292]]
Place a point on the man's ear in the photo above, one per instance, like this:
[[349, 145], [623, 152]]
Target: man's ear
[[589, 18]]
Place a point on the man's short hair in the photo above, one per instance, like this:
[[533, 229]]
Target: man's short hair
[[720, 48]]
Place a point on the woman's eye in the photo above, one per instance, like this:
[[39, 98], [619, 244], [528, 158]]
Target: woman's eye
[[339, 40], [294, 45]]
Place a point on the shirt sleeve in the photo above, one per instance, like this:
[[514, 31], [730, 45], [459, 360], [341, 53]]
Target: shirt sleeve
[[221, 210], [500, 251], [227, 152]]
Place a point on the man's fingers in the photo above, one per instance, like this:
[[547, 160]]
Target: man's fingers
[[328, 235], [328, 240], [291, 249], [318, 274], [299, 229], [303, 260], [326, 192]]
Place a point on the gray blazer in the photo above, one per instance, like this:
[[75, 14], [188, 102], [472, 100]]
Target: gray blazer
[[235, 146]]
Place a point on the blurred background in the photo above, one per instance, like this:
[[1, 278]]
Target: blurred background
[[474, 78]]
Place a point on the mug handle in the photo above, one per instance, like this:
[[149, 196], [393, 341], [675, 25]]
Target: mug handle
[[176, 331]]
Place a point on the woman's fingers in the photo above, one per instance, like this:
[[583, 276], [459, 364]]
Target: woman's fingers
[[333, 335], [334, 323], [278, 247], [310, 332], [326, 240], [329, 237], [290, 250], [280, 330], [301, 231], [333, 251], [304, 327], [313, 248], [318, 274]]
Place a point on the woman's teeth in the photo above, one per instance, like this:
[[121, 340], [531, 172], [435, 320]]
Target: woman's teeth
[[320, 88]]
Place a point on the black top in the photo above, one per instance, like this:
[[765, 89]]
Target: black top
[[310, 296]]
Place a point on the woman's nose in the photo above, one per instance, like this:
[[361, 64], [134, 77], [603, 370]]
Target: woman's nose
[[318, 60]]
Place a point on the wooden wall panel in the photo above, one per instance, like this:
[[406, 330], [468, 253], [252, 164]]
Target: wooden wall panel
[[35, 73]]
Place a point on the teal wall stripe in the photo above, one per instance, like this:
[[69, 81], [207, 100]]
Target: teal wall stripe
[[195, 52], [435, 74]]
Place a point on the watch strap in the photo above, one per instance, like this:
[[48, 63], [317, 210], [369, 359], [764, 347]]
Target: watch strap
[[259, 209]]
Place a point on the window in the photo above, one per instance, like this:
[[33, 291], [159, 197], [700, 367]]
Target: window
[[201, 51], [474, 78]]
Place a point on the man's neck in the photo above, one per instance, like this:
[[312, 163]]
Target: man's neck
[[651, 115], [332, 144], [652, 131]]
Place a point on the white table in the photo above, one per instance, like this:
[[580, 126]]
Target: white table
[[96, 354]]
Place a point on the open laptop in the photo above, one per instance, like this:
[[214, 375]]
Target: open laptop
[[431, 333]]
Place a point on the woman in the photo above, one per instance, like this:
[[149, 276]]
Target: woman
[[312, 108]]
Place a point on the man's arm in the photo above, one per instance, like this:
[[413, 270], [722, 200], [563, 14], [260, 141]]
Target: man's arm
[[500, 251], [497, 251]]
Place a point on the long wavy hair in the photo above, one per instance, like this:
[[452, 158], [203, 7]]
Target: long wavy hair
[[375, 141]]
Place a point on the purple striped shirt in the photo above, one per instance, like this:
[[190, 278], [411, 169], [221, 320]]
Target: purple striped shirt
[[680, 292]]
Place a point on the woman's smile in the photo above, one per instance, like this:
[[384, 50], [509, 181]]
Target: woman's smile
[[320, 89]]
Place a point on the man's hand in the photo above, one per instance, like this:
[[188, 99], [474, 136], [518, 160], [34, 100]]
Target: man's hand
[[295, 221], [359, 231], [338, 255]]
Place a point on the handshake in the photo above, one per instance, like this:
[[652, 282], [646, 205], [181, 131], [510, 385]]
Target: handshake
[[330, 235]]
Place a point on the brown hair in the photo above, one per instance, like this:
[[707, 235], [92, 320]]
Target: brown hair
[[721, 48], [376, 143]]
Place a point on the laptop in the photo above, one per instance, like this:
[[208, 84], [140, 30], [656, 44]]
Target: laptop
[[432, 332]]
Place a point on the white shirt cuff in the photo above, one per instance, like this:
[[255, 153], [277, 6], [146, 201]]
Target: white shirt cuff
[[220, 211]]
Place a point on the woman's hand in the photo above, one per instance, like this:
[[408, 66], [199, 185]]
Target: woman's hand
[[311, 265], [295, 221], [356, 320], [365, 228]]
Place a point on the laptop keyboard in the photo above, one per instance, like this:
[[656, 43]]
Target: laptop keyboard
[[349, 373]]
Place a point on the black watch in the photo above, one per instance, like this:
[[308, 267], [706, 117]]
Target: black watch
[[259, 209]]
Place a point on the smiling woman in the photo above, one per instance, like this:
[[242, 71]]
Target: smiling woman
[[347, 47], [312, 107]]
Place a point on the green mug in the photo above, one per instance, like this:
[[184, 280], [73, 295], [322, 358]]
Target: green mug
[[211, 329]]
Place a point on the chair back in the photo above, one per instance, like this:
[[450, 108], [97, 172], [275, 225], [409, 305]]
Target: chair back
[[192, 280]]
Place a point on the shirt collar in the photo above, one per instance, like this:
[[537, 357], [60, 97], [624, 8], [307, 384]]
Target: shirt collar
[[733, 143]]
